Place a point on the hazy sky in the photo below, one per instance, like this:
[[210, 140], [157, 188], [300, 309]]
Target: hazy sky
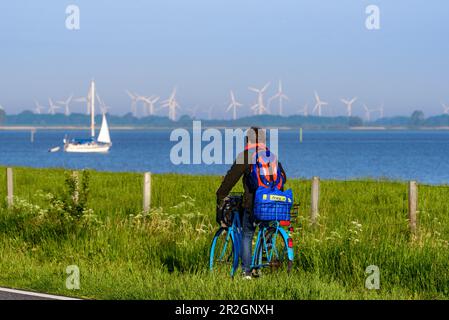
[[207, 47]]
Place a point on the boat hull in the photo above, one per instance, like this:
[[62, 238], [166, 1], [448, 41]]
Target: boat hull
[[87, 148], [55, 149]]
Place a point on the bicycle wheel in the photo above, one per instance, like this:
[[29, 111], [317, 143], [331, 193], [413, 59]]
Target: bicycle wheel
[[223, 252], [273, 251]]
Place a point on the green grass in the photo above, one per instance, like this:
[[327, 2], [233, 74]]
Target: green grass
[[164, 255]]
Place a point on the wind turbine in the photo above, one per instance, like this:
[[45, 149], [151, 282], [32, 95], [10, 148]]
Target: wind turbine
[[38, 108], [148, 103], [279, 95], [66, 104], [233, 105], [171, 104], [319, 104], [304, 110], [348, 104], [134, 99], [87, 100], [381, 110], [259, 108], [209, 112], [52, 107], [368, 112], [103, 106], [193, 111], [445, 108]]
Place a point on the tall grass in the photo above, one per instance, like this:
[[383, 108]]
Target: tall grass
[[163, 254]]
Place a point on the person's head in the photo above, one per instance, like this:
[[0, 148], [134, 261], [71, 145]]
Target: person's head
[[255, 135]]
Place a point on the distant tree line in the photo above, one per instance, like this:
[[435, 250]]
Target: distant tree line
[[2, 116], [28, 118], [417, 119]]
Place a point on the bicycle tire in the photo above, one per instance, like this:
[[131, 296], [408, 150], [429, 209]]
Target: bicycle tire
[[220, 257], [267, 257]]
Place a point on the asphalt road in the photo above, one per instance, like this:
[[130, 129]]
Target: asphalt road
[[12, 294]]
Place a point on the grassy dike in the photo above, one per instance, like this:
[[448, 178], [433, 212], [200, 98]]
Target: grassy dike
[[124, 254]]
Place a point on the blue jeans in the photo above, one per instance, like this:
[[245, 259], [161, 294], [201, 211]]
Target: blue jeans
[[247, 240]]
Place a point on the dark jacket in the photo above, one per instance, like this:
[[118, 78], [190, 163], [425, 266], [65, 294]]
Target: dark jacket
[[240, 167]]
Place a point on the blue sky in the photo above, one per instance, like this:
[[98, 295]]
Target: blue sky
[[207, 48]]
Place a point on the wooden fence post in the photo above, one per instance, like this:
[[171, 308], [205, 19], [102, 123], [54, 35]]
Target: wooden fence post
[[146, 191], [315, 197], [10, 186], [33, 131], [412, 205]]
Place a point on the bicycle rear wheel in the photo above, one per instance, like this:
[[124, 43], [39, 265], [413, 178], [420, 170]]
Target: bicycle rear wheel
[[272, 251], [223, 256]]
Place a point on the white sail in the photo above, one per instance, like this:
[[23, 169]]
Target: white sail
[[104, 132]]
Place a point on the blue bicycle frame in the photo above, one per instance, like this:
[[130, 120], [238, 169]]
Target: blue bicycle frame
[[234, 232], [262, 241]]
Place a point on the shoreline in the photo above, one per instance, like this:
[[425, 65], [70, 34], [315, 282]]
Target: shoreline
[[371, 179]]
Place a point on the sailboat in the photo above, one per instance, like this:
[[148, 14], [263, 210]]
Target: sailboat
[[101, 144]]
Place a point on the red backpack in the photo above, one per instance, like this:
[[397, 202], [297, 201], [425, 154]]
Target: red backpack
[[264, 169]]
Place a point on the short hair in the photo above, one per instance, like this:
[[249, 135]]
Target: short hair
[[256, 135]]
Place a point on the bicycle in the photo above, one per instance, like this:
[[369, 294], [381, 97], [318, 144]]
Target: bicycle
[[270, 251]]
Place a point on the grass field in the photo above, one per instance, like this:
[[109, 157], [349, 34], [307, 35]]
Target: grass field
[[124, 254]]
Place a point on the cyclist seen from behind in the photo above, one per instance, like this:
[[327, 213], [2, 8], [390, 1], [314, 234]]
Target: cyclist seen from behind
[[255, 143]]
